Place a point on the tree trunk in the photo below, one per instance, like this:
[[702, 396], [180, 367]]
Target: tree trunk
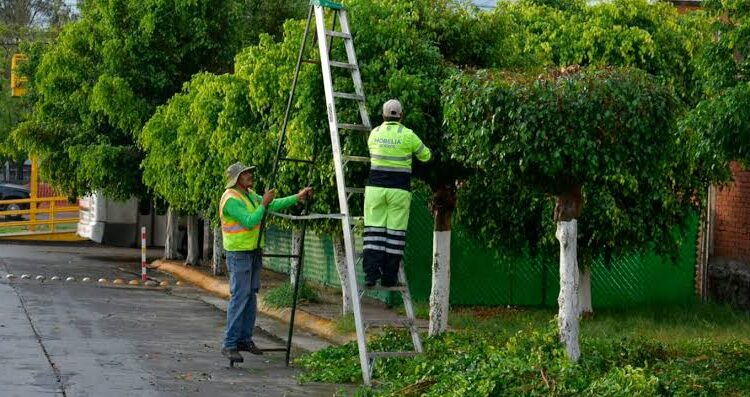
[[441, 281], [207, 243], [443, 204], [568, 207], [193, 246], [584, 292], [294, 261], [217, 261], [171, 244], [568, 314], [339, 256]]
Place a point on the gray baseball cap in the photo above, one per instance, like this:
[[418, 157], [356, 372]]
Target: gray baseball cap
[[234, 171], [392, 108]]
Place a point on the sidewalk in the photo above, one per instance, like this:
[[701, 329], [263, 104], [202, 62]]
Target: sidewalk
[[316, 318]]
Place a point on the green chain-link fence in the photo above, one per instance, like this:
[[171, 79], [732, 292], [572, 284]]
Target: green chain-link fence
[[480, 277]]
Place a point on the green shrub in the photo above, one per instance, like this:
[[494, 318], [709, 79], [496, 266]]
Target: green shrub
[[282, 295]]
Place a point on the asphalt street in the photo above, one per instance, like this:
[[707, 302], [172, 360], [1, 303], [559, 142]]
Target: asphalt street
[[74, 338]]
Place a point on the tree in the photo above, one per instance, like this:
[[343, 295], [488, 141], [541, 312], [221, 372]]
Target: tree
[[25, 27], [106, 74], [723, 116], [606, 138]]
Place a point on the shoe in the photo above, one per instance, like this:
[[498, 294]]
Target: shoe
[[232, 354], [394, 284], [370, 284], [249, 347]]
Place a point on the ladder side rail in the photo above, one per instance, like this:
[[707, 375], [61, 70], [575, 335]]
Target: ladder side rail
[[409, 308], [340, 184], [356, 75], [282, 134], [295, 293], [301, 253]]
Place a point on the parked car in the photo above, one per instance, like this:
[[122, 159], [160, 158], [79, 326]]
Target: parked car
[[13, 192]]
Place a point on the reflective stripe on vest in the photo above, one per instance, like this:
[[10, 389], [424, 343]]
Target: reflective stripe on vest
[[389, 148], [237, 237]]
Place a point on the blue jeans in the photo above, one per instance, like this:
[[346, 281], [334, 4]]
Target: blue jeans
[[244, 283]]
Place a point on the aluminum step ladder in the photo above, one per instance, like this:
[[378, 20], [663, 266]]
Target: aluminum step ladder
[[326, 39]]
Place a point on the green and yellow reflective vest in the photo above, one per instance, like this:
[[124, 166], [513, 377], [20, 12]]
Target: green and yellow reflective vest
[[391, 148], [241, 215]]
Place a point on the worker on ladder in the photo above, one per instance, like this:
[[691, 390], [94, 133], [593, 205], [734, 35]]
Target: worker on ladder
[[241, 211], [388, 195]]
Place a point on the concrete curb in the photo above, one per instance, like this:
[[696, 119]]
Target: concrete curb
[[319, 326]]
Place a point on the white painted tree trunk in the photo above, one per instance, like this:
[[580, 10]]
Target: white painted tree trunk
[[193, 247], [441, 281], [171, 244], [217, 260], [208, 243], [339, 256], [568, 314], [294, 262], [584, 292]]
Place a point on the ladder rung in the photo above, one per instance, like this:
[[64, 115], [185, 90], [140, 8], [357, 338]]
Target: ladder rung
[[360, 159], [280, 256], [374, 355], [346, 95], [359, 190], [389, 322], [298, 160], [312, 61], [334, 33], [343, 65], [354, 127]]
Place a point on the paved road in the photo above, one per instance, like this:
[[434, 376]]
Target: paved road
[[84, 339]]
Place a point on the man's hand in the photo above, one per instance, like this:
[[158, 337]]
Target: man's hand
[[268, 197], [304, 194]]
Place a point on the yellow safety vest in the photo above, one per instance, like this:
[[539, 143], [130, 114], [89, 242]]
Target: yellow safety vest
[[236, 236]]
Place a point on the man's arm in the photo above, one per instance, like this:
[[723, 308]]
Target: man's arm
[[422, 152], [237, 210], [283, 203]]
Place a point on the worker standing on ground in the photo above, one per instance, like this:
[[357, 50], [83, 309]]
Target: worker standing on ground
[[388, 195], [241, 211]]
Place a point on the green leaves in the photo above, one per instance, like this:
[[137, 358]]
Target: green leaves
[[611, 131], [100, 82], [723, 117]]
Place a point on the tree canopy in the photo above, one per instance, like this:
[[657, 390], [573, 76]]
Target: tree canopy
[[608, 131], [104, 77], [723, 117]]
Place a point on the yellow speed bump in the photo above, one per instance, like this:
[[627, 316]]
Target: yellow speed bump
[[134, 282], [164, 283], [103, 281], [118, 281]]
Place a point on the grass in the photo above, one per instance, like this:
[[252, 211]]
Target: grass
[[681, 350], [282, 295], [667, 324], [344, 324], [40, 228]]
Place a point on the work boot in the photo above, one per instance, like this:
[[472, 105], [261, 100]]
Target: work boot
[[370, 283], [249, 347], [233, 355]]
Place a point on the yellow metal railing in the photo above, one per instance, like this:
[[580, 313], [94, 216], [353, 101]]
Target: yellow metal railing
[[44, 221], [50, 221]]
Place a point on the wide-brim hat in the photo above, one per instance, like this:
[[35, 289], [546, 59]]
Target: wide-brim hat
[[234, 171]]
